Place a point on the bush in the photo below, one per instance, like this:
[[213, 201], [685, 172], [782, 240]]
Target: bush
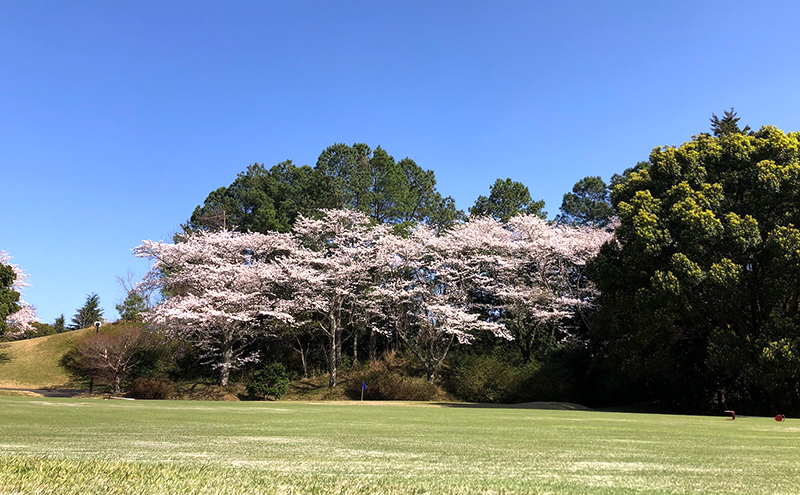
[[386, 384], [151, 388], [271, 382], [550, 381], [483, 378]]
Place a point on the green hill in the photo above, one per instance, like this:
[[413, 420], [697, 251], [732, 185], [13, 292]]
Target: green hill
[[34, 363]]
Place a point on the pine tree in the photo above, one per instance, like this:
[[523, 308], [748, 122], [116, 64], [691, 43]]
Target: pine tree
[[59, 325], [728, 124], [88, 314]]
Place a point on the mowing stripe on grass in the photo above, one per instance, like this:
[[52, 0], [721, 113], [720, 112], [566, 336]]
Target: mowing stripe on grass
[[93, 446]]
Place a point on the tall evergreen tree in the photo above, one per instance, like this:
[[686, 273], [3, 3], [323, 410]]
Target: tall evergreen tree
[[132, 308], [587, 204], [507, 198], [59, 324], [398, 193], [89, 313], [727, 125]]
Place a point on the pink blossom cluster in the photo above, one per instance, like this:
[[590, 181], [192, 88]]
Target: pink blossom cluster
[[20, 321]]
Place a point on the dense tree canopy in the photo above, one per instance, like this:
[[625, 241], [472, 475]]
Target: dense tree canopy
[[699, 292], [261, 200], [507, 198], [355, 177], [693, 301], [226, 290], [587, 204], [9, 298]]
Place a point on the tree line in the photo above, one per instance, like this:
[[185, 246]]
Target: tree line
[[697, 293], [692, 303]]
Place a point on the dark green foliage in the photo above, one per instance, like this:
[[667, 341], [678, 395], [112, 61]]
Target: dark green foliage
[[483, 378], [728, 124], [355, 177], [39, 330], [132, 307], [587, 204], [59, 325], [506, 199], [270, 382], [151, 388], [502, 378], [9, 298], [397, 193], [548, 381], [89, 313], [262, 200], [700, 300], [384, 383]]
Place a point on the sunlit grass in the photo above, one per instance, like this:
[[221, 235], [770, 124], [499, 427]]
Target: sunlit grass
[[34, 363], [96, 446]]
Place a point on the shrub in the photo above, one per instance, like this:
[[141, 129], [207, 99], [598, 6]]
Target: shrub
[[483, 378], [151, 388], [271, 382], [386, 384], [550, 381]]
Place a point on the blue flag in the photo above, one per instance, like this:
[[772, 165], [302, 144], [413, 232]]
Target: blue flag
[[363, 385]]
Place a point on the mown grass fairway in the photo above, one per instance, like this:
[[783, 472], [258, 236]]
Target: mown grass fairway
[[74, 446]]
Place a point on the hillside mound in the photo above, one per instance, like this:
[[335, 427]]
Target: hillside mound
[[33, 364]]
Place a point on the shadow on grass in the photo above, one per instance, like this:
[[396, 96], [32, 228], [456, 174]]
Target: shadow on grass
[[4, 357], [552, 406]]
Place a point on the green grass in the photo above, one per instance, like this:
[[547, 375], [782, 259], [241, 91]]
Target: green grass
[[34, 363], [86, 446]]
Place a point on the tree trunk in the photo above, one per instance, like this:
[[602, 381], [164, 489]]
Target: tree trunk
[[430, 372], [333, 329], [332, 361], [225, 371], [355, 345], [303, 358], [338, 347], [373, 343]]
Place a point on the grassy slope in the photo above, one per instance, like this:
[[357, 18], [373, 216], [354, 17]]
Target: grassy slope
[[88, 446], [34, 363]]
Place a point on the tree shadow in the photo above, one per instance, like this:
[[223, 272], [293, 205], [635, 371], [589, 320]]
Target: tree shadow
[[4, 356], [550, 406]]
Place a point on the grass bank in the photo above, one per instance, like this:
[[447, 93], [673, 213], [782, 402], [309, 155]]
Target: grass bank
[[73, 446], [34, 363]]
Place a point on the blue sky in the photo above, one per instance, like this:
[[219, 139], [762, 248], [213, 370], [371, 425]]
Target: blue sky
[[118, 118]]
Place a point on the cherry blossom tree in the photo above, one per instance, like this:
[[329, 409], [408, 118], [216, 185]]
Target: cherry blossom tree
[[543, 284], [338, 271], [427, 287], [225, 289], [20, 315], [341, 250]]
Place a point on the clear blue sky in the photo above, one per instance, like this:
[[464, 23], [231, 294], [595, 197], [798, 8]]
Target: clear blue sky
[[118, 118]]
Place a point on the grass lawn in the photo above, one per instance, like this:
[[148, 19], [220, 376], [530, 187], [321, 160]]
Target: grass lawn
[[84, 446], [34, 363]]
